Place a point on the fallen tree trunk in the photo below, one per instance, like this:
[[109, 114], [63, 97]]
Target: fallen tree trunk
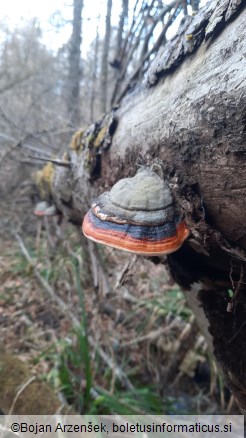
[[189, 117]]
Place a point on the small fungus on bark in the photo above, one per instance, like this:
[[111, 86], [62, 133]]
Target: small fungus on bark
[[137, 215]]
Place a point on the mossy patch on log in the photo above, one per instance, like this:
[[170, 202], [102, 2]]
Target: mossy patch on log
[[43, 179], [37, 398]]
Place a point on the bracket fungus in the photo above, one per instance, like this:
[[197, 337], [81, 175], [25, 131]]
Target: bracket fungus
[[137, 215], [44, 209]]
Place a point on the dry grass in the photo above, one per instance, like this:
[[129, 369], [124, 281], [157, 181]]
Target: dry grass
[[144, 329]]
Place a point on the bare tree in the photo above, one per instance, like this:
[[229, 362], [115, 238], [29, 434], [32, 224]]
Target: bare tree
[[74, 67], [94, 73], [30, 85], [119, 51], [139, 45], [104, 63], [32, 106], [115, 63]]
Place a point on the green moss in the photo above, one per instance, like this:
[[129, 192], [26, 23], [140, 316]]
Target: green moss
[[100, 137], [88, 161], [37, 398], [90, 139], [77, 142], [43, 179]]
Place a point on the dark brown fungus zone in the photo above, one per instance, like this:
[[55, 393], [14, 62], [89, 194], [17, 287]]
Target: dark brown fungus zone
[[137, 215]]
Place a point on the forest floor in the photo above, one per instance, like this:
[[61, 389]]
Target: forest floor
[[141, 327]]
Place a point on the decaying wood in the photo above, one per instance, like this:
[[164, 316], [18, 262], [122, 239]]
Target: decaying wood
[[189, 117]]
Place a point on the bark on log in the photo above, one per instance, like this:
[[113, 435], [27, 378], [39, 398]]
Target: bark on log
[[190, 117]]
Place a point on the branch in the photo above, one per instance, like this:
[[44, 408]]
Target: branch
[[57, 162], [156, 46]]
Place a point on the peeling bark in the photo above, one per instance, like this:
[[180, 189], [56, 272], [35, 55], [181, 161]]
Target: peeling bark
[[190, 117]]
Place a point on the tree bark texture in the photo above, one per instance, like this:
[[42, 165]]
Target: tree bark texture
[[189, 117]]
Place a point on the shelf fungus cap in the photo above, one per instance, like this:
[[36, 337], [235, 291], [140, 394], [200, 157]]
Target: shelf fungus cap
[[44, 209], [40, 209], [137, 215]]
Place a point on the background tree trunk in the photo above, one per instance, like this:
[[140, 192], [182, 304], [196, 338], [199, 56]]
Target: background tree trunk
[[117, 60], [189, 117], [74, 72], [94, 74], [104, 65]]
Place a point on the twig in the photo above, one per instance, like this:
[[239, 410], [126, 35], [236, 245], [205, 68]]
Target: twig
[[49, 238], [57, 162], [93, 265], [181, 346], [125, 270], [124, 293], [237, 332], [151, 336], [39, 231], [23, 387], [99, 275], [63, 307], [230, 405], [235, 252]]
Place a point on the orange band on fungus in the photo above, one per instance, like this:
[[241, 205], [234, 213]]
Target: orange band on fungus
[[142, 245]]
